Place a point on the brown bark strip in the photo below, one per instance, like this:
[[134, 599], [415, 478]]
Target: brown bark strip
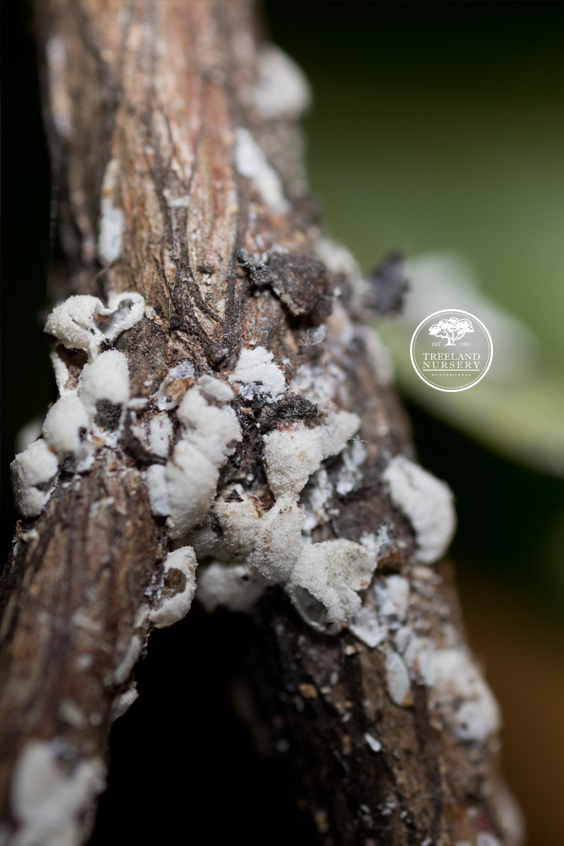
[[69, 631], [144, 104]]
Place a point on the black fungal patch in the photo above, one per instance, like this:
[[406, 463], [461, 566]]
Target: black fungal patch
[[233, 496], [388, 284], [44, 486], [299, 280], [174, 582], [258, 273], [302, 283], [135, 448], [108, 414], [295, 407], [217, 354], [68, 464]]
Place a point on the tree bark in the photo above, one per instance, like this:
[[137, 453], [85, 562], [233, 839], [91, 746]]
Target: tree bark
[[151, 108]]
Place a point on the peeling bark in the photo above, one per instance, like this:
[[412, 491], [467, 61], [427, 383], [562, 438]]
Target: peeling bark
[[152, 114]]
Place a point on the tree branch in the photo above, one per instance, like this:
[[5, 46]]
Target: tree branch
[[220, 407]]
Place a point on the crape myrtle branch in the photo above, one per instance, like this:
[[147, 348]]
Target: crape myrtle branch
[[225, 426]]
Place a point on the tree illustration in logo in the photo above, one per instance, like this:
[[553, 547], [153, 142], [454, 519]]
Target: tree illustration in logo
[[451, 328]]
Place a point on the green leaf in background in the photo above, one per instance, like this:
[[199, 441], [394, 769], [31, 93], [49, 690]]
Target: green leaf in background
[[427, 173], [518, 408]]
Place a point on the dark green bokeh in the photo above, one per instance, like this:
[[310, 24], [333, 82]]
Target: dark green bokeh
[[440, 126]]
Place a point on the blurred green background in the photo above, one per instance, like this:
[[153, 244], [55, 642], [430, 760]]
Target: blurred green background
[[436, 128], [439, 129]]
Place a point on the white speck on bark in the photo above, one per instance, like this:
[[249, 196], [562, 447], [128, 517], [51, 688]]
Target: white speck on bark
[[74, 324], [111, 220], [258, 375], [175, 607], [456, 686], [252, 163], [128, 661], [426, 501], [209, 437], [66, 426], [293, 454], [160, 435], [124, 701], [374, 744], [32, 470], [350, 474], [366, 626], [282, 89], [215, 389], [71, 713], [49, 802], [392, 596], [105, 378], [397, 680], [58, 76]]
